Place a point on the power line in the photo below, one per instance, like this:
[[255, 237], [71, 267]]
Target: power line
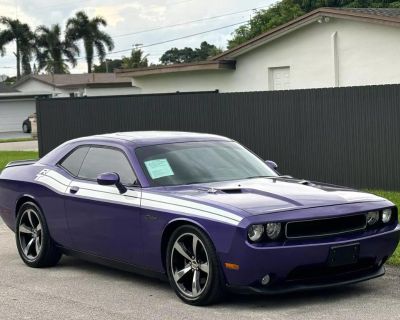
[[175, 39], [187, 22]]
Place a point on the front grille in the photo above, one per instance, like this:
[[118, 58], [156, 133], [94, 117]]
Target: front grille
[[325, 227]]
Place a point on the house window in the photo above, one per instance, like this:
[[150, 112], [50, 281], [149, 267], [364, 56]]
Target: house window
[[279, 78]]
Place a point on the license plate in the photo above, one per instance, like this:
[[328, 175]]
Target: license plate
[[343, 255]]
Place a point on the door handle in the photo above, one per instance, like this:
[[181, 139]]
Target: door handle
[[74, 189]]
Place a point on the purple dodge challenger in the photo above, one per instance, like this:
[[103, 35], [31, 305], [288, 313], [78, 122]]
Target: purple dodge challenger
[[198, 209]]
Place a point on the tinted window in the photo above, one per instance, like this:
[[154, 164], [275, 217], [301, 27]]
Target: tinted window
[[199, 162], [101, 160], [73, 162]]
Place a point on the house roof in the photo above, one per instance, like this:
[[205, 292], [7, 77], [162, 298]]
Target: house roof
[[174, 68], [4, 88], [77, 80], [388, 16], [226, 60], [23, 95]]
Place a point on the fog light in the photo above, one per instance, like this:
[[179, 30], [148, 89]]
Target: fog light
[[255, 232], [386, 215], [372, 217], [273, 230], [265, 280]]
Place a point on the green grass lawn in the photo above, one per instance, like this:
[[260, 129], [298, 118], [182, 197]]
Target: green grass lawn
[[393, 196], [16, 140], [7, 156]]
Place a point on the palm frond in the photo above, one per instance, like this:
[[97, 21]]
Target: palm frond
[[106, 39], [101, 50]]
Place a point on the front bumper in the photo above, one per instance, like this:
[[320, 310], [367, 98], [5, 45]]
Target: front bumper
[[335, 282], [304, 266]]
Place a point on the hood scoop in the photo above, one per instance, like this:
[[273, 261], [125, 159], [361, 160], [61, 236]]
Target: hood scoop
[[226, 190]]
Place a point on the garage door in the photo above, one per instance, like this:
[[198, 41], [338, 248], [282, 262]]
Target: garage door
[[14, 112]]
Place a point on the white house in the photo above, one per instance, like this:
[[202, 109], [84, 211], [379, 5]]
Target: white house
[[65, 85], [328, 47], [15, 107]]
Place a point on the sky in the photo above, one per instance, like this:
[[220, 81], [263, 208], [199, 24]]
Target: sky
[[129, 22]]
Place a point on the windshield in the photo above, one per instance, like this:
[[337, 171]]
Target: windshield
[[200, 162]]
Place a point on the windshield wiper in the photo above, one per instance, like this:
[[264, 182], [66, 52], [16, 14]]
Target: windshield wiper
[[269, 177], [255, 177]]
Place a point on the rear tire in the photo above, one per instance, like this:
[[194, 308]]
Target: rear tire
[[193, 268], [34, 244]]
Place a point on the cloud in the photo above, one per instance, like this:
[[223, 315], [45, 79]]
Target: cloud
[[124, 16]]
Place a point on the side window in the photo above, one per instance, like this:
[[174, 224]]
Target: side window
[[73, 162], [100, 160]]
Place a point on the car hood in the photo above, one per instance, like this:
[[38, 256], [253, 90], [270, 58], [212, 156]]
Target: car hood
[[265, 195]]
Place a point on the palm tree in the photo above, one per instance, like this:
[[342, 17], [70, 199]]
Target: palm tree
[[81, 27], [51, 50], [25, 43], [136, 60]]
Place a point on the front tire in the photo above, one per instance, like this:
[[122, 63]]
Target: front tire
[[193, 267], [35, 246]]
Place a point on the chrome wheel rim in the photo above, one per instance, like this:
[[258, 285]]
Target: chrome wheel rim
[[190, 265], [30, 234]]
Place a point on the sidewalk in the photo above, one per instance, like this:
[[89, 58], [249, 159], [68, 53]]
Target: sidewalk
[[19, 146]]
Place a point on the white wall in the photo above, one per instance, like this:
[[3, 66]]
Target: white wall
[[14, 112], [111, 91], [37, 86], [367, 54]]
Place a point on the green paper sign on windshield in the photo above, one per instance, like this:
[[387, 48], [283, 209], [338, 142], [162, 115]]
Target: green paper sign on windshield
[[158, 168]]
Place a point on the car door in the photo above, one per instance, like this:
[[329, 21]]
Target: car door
[[101, 220]]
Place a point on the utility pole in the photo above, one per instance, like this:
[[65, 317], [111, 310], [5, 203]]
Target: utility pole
[[107, 60]]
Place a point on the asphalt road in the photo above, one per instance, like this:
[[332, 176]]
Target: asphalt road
[[80, 290], [14, 135]]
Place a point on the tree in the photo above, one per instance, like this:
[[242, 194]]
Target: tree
[[88, 30], [51, 50], [206, 51], [187, 55], [108, 65], [264, 20], [24, 39], [10, 80], [136, 60], [286, 10]]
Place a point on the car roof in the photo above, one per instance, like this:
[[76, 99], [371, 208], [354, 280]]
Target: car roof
[[144, 138]]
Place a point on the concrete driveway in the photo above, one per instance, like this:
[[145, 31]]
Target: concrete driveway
[[80, 290], [19, 146]]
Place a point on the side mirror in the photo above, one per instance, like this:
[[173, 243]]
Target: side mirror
[[111, 179], [271, 164]]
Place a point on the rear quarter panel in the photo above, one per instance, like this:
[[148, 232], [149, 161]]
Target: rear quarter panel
[[19, 182]]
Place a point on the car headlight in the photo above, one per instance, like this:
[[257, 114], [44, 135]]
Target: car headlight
[[255, 232], [386, 215], [372, 217], [273, 230]]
